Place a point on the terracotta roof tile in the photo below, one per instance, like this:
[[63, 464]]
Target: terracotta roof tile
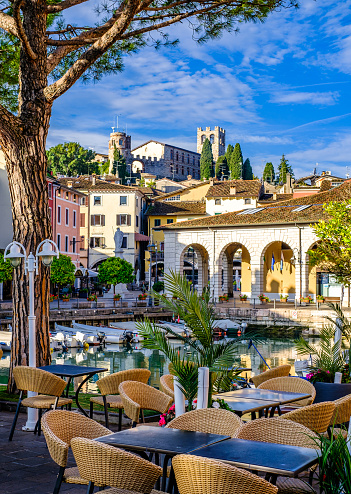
[[176, 208], [281, 213], [100, 185], [244, 188]]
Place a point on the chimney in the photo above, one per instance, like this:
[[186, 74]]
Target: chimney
[[93, 180], [70, 184], [274, 196], [189, 177], [232, 190], [211, 181]]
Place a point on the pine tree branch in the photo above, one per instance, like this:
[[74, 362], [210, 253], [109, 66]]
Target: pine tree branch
[[8, 24], [66, 4], [20, 29], [127, 12]]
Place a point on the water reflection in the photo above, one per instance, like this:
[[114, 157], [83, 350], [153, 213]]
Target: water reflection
[[277, 351]]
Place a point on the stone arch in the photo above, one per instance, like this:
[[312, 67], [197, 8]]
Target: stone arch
[[203, 138], [278, 268], [197, 256], [234, 271], [212, 138], [97, 262]]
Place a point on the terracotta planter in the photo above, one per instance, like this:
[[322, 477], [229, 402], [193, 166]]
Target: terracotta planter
[[331, 391]]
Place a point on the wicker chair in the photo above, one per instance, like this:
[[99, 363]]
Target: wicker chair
[[281, 431], [60, 427], [315, 417], [294, 385], [209, 420], [139, 396], [167, 385], [1, 353], [108, 387], [49, 387], [341, 415], [281, 371], [197, 475], [106, 465]]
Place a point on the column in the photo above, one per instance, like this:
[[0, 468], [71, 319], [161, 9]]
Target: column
[[256, 277]]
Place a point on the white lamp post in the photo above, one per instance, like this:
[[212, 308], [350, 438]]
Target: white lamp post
[[15, 252]]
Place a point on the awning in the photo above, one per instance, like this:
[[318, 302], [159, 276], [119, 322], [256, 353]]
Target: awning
[[139, 237], [86, 272]]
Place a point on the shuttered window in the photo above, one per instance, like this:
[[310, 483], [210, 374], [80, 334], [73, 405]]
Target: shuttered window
[[123, 220], [82, 219], [97, 220]]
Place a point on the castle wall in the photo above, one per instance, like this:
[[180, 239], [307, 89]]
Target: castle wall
[[215, 136]]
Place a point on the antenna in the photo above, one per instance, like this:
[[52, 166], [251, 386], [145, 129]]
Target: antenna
[[113, 129]]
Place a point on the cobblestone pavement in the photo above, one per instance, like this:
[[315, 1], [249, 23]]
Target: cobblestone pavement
[[25, 463]]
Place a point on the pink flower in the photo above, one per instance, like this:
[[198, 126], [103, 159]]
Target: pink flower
[[162, 421], [195, 401], [172, 408], [328, 372]]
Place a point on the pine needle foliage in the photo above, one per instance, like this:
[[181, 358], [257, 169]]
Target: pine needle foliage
[[199, 316]]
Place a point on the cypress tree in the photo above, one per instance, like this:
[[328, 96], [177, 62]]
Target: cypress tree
[[206, 161], [247, 170], [229, 153], [269, 173], [221, 169], [283, 169], [119, 164], [236, 163]]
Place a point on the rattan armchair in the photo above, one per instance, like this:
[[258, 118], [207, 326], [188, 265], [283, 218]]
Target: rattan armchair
[[293, 385], [209, 420], [315, 417], [49, 387], [102, 464], [281, 431], [60, 427], [167, 385], [281, 371], [197, 475], [108, 387], [138, 396], [341, 415]]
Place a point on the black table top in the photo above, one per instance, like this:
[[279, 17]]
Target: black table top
[[161, 440], [279, 459], [72, 370], [246, 405], [281, 397]]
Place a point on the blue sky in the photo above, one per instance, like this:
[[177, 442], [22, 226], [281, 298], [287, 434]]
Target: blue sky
[[278, 87]]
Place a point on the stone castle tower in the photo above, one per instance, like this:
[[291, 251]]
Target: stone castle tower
[[123, 143], [216, 138]]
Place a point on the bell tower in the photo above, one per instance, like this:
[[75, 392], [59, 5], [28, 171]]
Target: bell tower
[[123, 142], [216, 138]]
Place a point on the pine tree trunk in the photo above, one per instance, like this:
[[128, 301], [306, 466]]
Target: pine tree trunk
[[26, 168]]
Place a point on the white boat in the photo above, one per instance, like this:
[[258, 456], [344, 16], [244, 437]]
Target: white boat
[[108, 334], [5, 340], [66, 336]]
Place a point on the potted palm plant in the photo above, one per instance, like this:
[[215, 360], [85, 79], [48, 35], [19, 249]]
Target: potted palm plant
[[199, 316]]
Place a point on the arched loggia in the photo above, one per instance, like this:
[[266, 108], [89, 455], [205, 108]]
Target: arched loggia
[[194, 264]]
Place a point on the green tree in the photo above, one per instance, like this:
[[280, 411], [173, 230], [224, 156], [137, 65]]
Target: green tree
[[283, 169], [71, 159], [199, 316], [115, 270], [236, 163], [46, 64], [6, 270], [228, 153], [119, 167], [247, 170], [206, 161], [268, 173], [333, 251], [221, 168], [62, 272]]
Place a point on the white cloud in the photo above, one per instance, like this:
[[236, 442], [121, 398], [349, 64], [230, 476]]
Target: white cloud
[[316, 98]]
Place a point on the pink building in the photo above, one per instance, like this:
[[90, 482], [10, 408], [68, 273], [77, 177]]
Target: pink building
[[64, 205]]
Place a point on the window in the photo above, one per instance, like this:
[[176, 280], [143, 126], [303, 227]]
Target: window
[[188, 171], [218, 202], [50, 213], [203, 138], [74, 245], [137, 201], [182, 170], [82, 219], [50, 190], [121, 142], [182, 157], [59, 192], [171, 154], [82, 242], [74, 219], [66, 243], [97, 220], [157, 222], [59, 215], [193, 160], [97, 242], [67, 217], [137, 221], [177, 156], [169, 221], [171, 168], [82, 201], [67, 196], [74, 198], [125, 243], [173, 198], [212, 138], [123, 219], [97, 201], [58, 241], [177, 169], [123, 200], [247, 201], [188, 160]]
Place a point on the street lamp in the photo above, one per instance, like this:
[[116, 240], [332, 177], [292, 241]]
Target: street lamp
[[151, 249], [15, 252]]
